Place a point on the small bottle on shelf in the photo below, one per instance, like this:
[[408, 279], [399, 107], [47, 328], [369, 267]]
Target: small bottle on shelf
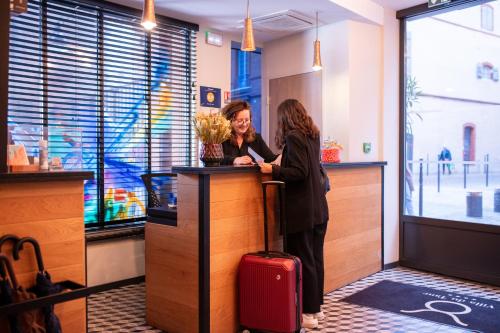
[[44, 154]]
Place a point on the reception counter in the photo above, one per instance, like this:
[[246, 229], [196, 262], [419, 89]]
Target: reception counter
[[47, 206], [191, 265]]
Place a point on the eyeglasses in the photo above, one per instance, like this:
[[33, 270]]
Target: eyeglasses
[[241, 121]]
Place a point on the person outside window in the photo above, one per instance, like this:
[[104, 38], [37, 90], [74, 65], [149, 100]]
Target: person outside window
[[306, 212], [445, 155]]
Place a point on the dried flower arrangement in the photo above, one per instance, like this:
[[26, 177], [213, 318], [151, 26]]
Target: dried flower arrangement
[[211, 128]]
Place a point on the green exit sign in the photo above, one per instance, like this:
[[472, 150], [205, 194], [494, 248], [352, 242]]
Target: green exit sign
[[433, 3]]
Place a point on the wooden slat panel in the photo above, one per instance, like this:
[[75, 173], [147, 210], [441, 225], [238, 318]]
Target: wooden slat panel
[[353, 238], [60, 206], [180, 318], [351, 258], [172, 265], [67, 229], [22, 190], [236, 228], [191, 180], [72, 318], [52, 213]]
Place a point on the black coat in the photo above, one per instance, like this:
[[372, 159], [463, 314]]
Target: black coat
[[259, 145], [305, 199]]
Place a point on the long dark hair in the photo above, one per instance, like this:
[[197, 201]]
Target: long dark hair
[[293, 116], [230, 111]]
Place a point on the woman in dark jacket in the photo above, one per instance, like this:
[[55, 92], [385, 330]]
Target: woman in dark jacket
[[306, 206], [243, 135]]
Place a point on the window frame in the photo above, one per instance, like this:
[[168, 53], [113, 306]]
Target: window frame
[[487, 18]]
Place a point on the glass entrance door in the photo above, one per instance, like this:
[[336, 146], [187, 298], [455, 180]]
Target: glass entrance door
[[451, 157]]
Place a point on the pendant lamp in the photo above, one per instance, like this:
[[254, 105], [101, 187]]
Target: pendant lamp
[[247, 42], [148, 15], [317, 52]]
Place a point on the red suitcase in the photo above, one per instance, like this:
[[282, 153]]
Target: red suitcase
[[270, 283]]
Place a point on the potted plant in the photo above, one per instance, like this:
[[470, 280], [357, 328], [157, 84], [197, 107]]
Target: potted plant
[[212, 129]]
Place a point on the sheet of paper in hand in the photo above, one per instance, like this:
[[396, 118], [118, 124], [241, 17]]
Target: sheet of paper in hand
[[256, 157]]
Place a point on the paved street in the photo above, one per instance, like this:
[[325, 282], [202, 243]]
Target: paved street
[[450, 202]]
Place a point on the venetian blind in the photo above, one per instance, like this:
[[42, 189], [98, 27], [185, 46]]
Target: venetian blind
[[107, 96]]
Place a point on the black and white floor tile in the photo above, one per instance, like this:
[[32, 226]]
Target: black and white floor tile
[[345, 317], [123, 309], [120, 310]]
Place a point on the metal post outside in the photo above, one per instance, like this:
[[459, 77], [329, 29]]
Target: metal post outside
[[487, 166], [439, 177], [427, 167], [465, 175], [420, 189]]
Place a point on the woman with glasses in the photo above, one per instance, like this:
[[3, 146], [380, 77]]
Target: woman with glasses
[[243, 136], [306, 207]]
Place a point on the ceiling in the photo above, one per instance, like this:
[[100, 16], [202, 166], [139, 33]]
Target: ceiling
[[227, 15], [399, 4]]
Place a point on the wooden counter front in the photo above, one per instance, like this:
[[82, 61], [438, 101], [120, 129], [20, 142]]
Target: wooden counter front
[[191, 268], [353, 241], [51, 211]]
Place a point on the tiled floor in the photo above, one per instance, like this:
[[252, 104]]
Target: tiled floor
[[119, 310], [122, 310]]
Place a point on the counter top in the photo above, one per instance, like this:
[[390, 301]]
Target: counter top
[[353, 164], [215, 170], [45, 176], [255, 168]]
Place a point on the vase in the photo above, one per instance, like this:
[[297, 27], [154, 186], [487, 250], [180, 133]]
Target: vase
[[211, 154]]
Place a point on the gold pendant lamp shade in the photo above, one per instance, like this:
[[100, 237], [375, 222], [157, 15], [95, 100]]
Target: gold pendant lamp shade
[[148, 15], [317, 50], [247, 41], [317, 56]]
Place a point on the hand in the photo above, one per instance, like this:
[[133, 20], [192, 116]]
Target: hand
[[277, 161], [266, 167], [243, 160]]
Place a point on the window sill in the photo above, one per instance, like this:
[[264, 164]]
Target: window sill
[[115, 232]]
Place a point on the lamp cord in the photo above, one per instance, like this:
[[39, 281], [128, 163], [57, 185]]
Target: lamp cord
[[316, 25]]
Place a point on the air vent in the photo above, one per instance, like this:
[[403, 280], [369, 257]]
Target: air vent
[[287, 20]]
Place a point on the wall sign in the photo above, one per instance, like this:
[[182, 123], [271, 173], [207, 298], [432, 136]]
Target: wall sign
[[210, 97], [213, 38], [433, 3], [227, 97]]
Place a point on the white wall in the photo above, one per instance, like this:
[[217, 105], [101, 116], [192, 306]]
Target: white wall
[[390, 134], [336, 83], [114, 260], [352, 81], [213, 64], [365, 89]]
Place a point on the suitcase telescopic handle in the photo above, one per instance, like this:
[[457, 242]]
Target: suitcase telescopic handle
[[281, 198]]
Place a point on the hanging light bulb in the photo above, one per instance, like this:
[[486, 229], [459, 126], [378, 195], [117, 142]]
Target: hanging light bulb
[[148, 15], [247, 42], [317, 50]]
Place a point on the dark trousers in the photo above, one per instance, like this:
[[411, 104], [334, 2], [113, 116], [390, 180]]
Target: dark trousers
[[308, 246]]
